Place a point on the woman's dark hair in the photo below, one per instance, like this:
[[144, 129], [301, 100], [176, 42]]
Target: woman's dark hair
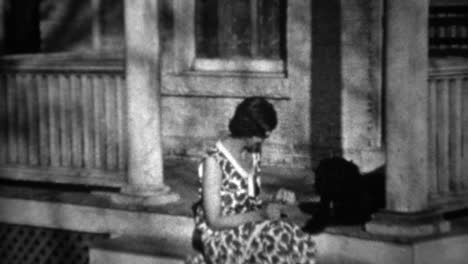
[[254, 116]]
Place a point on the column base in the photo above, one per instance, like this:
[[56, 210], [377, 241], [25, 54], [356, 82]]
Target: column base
[[144, 195], [415, 225]]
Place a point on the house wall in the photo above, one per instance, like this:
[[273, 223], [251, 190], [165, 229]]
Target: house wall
[[362, 43], [329, 100], [197, 106], [330, 105]]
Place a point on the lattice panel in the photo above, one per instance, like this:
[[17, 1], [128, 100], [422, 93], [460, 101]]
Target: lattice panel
[[24, 245]]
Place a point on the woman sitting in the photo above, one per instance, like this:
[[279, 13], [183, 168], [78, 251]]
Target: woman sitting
[[235, 225]]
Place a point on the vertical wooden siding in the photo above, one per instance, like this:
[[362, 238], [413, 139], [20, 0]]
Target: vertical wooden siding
[[70, 121], [448, 92]]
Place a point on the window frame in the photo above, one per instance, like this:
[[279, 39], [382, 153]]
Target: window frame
[[186, 48], [239, 62], [238, 65], [183, 74]]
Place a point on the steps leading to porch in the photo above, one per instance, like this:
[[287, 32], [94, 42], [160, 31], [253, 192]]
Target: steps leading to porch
[[337, 245], [86, 212], [141, 250]]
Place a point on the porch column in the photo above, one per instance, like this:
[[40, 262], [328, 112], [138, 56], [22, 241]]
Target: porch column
[[407, 123], [145, 164]]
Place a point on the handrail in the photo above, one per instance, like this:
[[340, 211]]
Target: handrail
[[448, 3], [448, 71], [62, 62]]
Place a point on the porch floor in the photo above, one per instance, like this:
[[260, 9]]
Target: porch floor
[[179, 175], [337, 244]]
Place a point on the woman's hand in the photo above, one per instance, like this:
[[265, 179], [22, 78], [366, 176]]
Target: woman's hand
[[273, 211], [285, 196]]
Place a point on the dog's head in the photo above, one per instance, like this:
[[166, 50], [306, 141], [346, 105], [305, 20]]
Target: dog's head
[[337, 179]]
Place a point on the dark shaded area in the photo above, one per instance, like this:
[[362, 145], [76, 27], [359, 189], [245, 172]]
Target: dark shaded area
[[22, 33], [34, 26], [457, 214], [61, 187], [197, 242], [448, 30], [346, 196], [326, 80], [111, 16], [232, 29], [206, 28], [67, 25]]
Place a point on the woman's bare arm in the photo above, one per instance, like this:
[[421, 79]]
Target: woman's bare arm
[[212, 177]]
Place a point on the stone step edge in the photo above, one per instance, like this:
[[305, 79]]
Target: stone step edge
[[149, 246]]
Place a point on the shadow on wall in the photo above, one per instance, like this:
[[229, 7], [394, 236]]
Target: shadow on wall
[[62, 26], [326, 88]]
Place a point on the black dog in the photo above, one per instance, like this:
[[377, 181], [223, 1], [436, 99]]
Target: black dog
[[346, 197]]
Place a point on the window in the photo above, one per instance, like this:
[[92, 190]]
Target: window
[[242, 35], [230, 36], [226, 48], [21, 27]]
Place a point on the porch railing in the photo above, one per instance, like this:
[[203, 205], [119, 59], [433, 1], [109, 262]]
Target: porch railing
[[62, 120], [448, 93], [448, 28]]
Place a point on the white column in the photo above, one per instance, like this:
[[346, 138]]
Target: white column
[[407, 124], [406, 102], [145, 165]]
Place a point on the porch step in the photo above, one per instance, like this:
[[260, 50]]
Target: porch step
[[335, 246], [352, 245], [141, 250]]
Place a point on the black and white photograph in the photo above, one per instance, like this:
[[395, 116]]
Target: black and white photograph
[[233, 131]]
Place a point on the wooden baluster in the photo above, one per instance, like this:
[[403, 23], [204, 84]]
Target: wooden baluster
[[97, 105], [3, 120], [11, 114], [44, 129], [455, 136], [65, 141], [465, 133], [32, 123], [76, 125], [433, 136], [109, 85], [54, 118], [443, 116], [87, 108], [105, 121], [442, 46], [102, 121], [21, 124], [463, 31], [121, 124]]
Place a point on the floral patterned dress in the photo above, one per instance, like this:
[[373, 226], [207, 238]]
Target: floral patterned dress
[[268, 241]]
